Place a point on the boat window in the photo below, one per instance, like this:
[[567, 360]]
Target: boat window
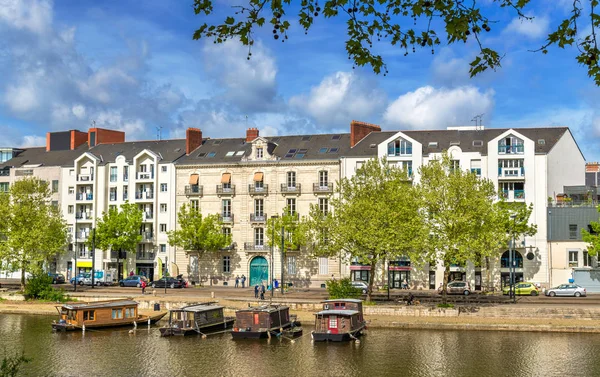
[[129, 312], [117, 314], [333, 322], [72, 314], [88, 315]]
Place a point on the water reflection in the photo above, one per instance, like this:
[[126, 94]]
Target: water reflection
[[380, 353]]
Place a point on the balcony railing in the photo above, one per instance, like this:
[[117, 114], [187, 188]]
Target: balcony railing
[[113, 197], [258, 218], [476, 171], [148, 215], [513, 194], [84, 196], [251, 246], [225, 190], [258, 190], [81, 236], [193, 190], [144, 195], [226, 218], [145, 175], [147, 236], [511, 149], [322, 188], [113, 178], [4, 172], [511, 172], [85, 177], [145, 256], [83, 215], [125, 196], [292, 190]]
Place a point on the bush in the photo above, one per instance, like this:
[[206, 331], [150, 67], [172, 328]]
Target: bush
[[342, 289], [39, 286]]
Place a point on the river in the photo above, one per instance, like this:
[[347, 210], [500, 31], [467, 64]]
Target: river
[[382, 352]]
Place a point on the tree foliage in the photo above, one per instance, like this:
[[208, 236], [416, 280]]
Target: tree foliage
[[407, 24], [375, 218], [293, 228], [119, 228], [342, 289], [33, 230], [592, 238], [198, 233]]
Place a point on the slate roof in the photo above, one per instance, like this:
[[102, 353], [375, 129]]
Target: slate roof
[[279, 146], [100, 304], [338, 312], [170, 150], [39, 156]]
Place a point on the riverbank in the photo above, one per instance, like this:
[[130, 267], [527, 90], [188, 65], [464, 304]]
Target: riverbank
[[502, 318]]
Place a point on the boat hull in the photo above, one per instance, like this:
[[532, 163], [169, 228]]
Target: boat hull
[[176, 331], [275, 332], [343, 337], [141, 320]]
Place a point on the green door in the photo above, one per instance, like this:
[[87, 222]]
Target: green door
[[259, 271]]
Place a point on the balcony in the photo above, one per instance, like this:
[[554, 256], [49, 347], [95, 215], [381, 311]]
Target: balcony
[[511, 149], [193, 190], [148, 216], [512, 194], [291, 190], [144, 195], [147, 237], [82, 236], [145, 255], [258, 219], [258, 190], [251, 246], [84, 196], [85, 178], [83, 215], [142, 175], [125, 196], [511, 173], [322, 188], [113, 197], [226, 218], [223, 190]]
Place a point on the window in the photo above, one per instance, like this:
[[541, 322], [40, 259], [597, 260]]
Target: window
[[125, 192], [323, 178], [510, 145], [117, 314], [572, 231], [226, 264], [163, 187], [211, 154], [113, 194], [359, 164], [324, 205], [89, 315], [71, 190], [336, 137], [112, 207], [163, 248], [333, 150], [55, 203], [4, 186], [163, 169], [323, 150], [125, 173], [227, 234], [476, 167], [113, 173], [259, 206], [71, 172], [406, 166], [323, 266], [515, 187], [333, 322], [163, 207], [573, 262], [54, 186], [454, 165], [291, 265], [432, 144], [195, 204], [400, 147], [478, 143], [70, 209], [129, 312], [163, 228], [291, 206], [259, 153], [226, 207], [291, 179], [587, 259], [259, 236]]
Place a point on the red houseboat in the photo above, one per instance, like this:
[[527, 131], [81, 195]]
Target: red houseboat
[[264, 322], [340, 320]]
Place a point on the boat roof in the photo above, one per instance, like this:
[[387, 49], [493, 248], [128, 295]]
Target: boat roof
[[354, 300], [264, 308], [197, 308], [99, 304], [338, 312]]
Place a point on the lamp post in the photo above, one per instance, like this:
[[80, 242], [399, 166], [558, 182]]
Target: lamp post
[[76, 251], [273, 218], [93, 254], [511, 261], [282, 252]]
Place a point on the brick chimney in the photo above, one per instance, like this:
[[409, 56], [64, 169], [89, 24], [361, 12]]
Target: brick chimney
[[97, 136], [358, 131], [251, 134], [193, 139]]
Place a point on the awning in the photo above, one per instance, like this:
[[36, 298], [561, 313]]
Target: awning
[[174, 270], [159, 267], [84, 264], [226, 178], [194, 179], [360, 268], [258, 177], [399, 268]]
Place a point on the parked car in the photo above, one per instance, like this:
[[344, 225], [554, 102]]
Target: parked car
[[169, 282], [457, 288], [523, 289], [567, 290], [360, 285], [79, 278], [133, 281], [57, 278], [184, 284]]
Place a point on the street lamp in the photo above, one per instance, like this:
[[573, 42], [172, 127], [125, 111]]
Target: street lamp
[[282, 252], [273, 218], [512, 267]]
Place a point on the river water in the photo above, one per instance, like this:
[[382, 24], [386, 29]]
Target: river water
[[382, 352]]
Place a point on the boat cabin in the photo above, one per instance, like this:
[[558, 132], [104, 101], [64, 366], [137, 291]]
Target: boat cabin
[[201, 314], [98, 314], [262, 318], [344, 304], [337, 321]]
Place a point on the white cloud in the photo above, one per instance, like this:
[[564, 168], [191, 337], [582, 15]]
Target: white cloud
[[339, 98], [78, 111], [34, 16], [533, 29], [22, 97], [448, 70], [33, 141], [431, 108]]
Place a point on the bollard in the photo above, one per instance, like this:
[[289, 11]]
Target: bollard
[[149, 321], [212, 294], [83, 328]]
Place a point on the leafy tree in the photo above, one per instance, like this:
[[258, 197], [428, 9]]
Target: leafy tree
[[293, 230], [407, 24], [465, 222], [33, 230], [198, 234], [592, 238], [119, 229], [375, 218], [342, 289]]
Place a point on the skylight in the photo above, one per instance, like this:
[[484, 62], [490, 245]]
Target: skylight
[[333, 150], [217, 142], [229, 154], [299, 155], [276, 139], [211, 154], [201, 154], [289, 155], [323, 150], [292, 151], [302, 150], [432, 144], [336, 137], [478, 143], [305, 138], [541, 141], [239, 153]]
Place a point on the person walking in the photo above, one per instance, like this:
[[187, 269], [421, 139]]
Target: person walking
[[262, 291], [243, 281], [256, 291], [143, 284], [237, 281]]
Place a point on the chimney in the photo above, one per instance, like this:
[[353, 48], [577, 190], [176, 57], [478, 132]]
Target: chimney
[[358, 131], [193, 139], [78, 138], [251, 134], [103, 136]]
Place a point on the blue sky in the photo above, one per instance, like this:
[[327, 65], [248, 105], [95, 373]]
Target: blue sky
[[132, 65]]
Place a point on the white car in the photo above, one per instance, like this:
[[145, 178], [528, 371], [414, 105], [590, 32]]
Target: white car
[[361, 285]]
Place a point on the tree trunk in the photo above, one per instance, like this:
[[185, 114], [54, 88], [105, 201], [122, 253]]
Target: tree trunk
[[22, 277], [445, 283], [371, 279], [488, 273]]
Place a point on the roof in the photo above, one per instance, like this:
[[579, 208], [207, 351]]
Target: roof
[[169, 150], [338, 312], [99, 304], [264, 308], [354, 300], [39, 156], [285, 148], [198, 308]]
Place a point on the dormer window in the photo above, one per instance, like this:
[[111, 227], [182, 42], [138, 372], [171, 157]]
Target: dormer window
[[259, 152], [511, 145], [400, 147]]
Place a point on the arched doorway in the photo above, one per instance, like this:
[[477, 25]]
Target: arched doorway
[[505, 268], [259, 271]]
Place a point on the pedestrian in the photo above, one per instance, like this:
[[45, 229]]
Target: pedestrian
[[262, 291], [275, 284], [237, 281], [404, 284], [410, 299], [256, 291], [143, 284], [243, 281], [131, 273]]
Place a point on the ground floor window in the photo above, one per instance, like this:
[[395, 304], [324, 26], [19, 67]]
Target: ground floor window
[[226, 264], [117, 314], [505, 278], [89, 315], [456, 275], [400, 279], [291, 265], [573, 258], [129, 312], [361, 275], [323, 266], [587, 259]]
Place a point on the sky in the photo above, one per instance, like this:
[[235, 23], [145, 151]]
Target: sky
[[133, 66]]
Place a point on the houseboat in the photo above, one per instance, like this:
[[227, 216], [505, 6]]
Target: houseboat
[[101, 314], [197, 319], [340, 320], [264, 322]]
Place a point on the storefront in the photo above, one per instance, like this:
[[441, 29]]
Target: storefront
[[505, 268], [145, 269], [360, 272], [84, 267], [399, 272]]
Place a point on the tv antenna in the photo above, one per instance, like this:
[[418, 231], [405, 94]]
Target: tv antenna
[[478, 119], [158, 129]]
